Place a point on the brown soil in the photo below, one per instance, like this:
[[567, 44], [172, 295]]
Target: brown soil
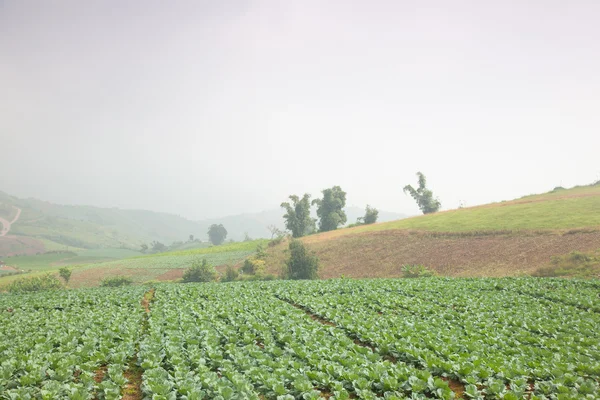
[[457, 387], [133, 388], [19, 245], [8, 268], [381, 254], [147, 299], [171, 275], [93, 276], [99, 374]]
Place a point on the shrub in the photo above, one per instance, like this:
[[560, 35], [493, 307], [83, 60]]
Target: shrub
[[302, 264], [253, 266], [231, 274], [416, 271], [35, 284], [574, 264], [116, 281], [65, 273], [200, 271]]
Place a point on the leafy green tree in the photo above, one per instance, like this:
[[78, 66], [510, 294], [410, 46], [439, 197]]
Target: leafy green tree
[[297, 216], [200, 271], [217, 234], [371, 215], [65, 273], [423, 196], [302, 263], [330, 209]]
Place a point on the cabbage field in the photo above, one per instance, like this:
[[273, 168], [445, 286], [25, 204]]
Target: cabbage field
[[338, 339]]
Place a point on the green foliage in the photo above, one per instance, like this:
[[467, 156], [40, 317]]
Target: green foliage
[[158, 247], [254, 266], [370, 217], [217, 234], [416, 271], [231, 274], [35, 284], [116, 281], [423, 196], [370, 339], [200, 271], [573, 264], [330, 209], [302, 263], [297, 216], [65, 273]]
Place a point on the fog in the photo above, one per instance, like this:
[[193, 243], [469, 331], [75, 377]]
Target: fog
[[206, 109]]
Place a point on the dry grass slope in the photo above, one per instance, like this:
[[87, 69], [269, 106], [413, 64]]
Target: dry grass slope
[[501, 239]]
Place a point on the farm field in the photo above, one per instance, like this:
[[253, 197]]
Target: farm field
[[91, 266], [424, 338]]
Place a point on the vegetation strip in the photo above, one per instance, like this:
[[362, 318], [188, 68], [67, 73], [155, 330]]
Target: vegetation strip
[[457, 387], [132, 390]]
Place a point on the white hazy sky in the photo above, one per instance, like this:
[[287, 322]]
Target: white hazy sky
[[211, 108]]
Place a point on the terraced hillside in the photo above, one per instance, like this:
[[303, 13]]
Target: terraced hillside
[[500, 239]]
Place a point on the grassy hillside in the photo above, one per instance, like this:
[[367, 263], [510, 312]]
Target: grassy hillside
[[91, 266], [507, 238], [64, 227], [575, 208]]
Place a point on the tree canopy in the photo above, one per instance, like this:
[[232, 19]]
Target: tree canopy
[[423, 196], [217, 234], [330, 209], [297, 216]]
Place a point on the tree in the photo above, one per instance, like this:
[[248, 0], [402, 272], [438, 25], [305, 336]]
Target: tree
[[200, 271], [297, 216], [423, 196], [275, 231], [191, 238], [217, 234], [330, 209], [371, 215], [65, 273], [247, 237], [144, 248], [158, 247], [302, 264]]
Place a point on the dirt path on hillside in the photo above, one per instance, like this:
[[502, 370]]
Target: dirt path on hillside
[[6, 225]]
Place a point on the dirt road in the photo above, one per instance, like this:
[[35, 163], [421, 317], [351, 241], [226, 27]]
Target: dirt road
[[6, 225]]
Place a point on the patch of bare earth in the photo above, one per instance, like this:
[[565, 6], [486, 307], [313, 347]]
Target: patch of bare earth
[[19, 245], [381, 254], [171, 275]]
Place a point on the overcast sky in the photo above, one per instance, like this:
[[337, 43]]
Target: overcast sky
[[212, 108]]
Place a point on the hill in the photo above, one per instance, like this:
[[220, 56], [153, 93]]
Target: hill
[[43, 226], [500, 239]]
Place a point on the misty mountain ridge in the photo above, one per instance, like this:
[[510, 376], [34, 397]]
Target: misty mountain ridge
[[94, 227]]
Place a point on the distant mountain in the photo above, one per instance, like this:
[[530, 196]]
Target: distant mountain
[[94, 227], [52, 226]]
